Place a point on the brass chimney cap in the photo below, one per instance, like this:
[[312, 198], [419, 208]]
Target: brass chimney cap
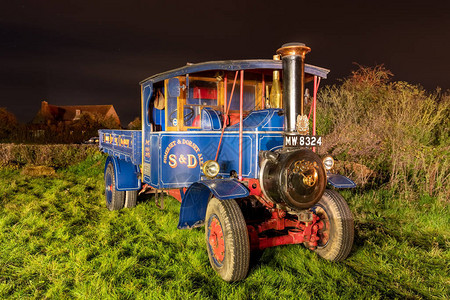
[[293, 49]]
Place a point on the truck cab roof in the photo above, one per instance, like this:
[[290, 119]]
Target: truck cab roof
[[231, 65]]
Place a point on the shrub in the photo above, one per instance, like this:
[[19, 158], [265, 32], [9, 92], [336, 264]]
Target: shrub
[[56, 155], [8, 124], [395, 128]]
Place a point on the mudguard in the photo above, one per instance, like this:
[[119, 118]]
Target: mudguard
[[195, 200], [126, 174], [340, 181]]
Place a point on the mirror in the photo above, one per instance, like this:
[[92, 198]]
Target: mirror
[[174, 87]]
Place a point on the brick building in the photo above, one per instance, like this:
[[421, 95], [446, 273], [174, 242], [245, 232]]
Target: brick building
[[55, 115]]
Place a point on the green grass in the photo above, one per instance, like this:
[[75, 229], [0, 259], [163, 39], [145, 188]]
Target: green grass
[[57, 240]]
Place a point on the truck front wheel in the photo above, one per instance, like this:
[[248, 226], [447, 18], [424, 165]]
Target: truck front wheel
[[227, 239], [114, 199], [336, 235]]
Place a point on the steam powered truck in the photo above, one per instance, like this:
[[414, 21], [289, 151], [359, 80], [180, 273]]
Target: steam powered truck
[[235, 142]]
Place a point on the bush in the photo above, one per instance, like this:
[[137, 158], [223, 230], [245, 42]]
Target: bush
[[57, 155], [395, 128], [8, 124]]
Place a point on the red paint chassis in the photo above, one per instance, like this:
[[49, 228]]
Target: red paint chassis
[[296, 231]]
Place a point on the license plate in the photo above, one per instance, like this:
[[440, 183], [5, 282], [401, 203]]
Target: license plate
[[302, 141]]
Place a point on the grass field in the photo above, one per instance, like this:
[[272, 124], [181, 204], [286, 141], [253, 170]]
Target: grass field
[[57, 240]]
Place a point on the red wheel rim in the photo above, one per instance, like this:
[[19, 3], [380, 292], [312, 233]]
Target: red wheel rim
[[216, 240], [324, 232]]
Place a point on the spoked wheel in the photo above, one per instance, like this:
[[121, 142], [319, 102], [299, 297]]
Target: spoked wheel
[[114, 198], [336, 236], [227, 239]]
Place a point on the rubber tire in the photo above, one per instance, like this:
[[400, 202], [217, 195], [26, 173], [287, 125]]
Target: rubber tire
[[341, 234], [130, 199], [237, 245], [117, 197]]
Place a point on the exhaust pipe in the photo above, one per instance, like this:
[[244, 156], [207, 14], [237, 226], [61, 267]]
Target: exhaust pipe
[[293, 56]]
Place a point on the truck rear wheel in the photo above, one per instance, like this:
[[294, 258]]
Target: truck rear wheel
[[114, 198], [336, 236], [130, 199], [227, 239]]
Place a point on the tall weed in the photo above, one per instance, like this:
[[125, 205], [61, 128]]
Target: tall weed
[[395, 128]]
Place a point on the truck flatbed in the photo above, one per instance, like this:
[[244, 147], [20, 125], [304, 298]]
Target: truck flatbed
[[123, 144]]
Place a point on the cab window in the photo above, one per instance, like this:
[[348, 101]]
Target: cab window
[[201, 93], [248, 99]]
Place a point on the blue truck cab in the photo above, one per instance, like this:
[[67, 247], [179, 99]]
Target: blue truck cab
[[213, 138]]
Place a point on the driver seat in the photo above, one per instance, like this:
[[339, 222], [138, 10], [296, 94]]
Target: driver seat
[[210, 119], [159, 119], [196, 122]]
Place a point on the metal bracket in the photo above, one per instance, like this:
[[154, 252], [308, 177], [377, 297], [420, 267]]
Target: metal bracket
[[159, 197], [305, 216]]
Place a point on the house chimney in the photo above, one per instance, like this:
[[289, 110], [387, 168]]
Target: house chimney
[[45, 110], [77, 114]]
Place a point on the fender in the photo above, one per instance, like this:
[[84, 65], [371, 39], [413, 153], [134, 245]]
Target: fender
[[340, 181], [195, 200], [126, 174]]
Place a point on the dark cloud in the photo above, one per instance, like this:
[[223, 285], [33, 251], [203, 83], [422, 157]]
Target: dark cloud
[[82, 52]]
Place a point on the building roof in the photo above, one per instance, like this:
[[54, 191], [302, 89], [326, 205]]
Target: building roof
[[70, 113]]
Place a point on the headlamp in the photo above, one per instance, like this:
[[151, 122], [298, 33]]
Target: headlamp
[[210, 168], [328, 162]]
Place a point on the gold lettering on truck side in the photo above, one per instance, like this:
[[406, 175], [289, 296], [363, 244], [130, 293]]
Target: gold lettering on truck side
[[190, 160]]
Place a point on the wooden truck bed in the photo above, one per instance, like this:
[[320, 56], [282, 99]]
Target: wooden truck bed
[[123, 144]]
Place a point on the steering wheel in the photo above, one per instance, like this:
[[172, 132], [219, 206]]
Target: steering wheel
[[186, 118]]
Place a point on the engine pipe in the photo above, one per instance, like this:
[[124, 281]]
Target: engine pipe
[[316, 88], [293, 57], [241, 121]]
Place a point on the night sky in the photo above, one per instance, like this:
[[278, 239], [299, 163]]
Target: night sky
[[96, 52]]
